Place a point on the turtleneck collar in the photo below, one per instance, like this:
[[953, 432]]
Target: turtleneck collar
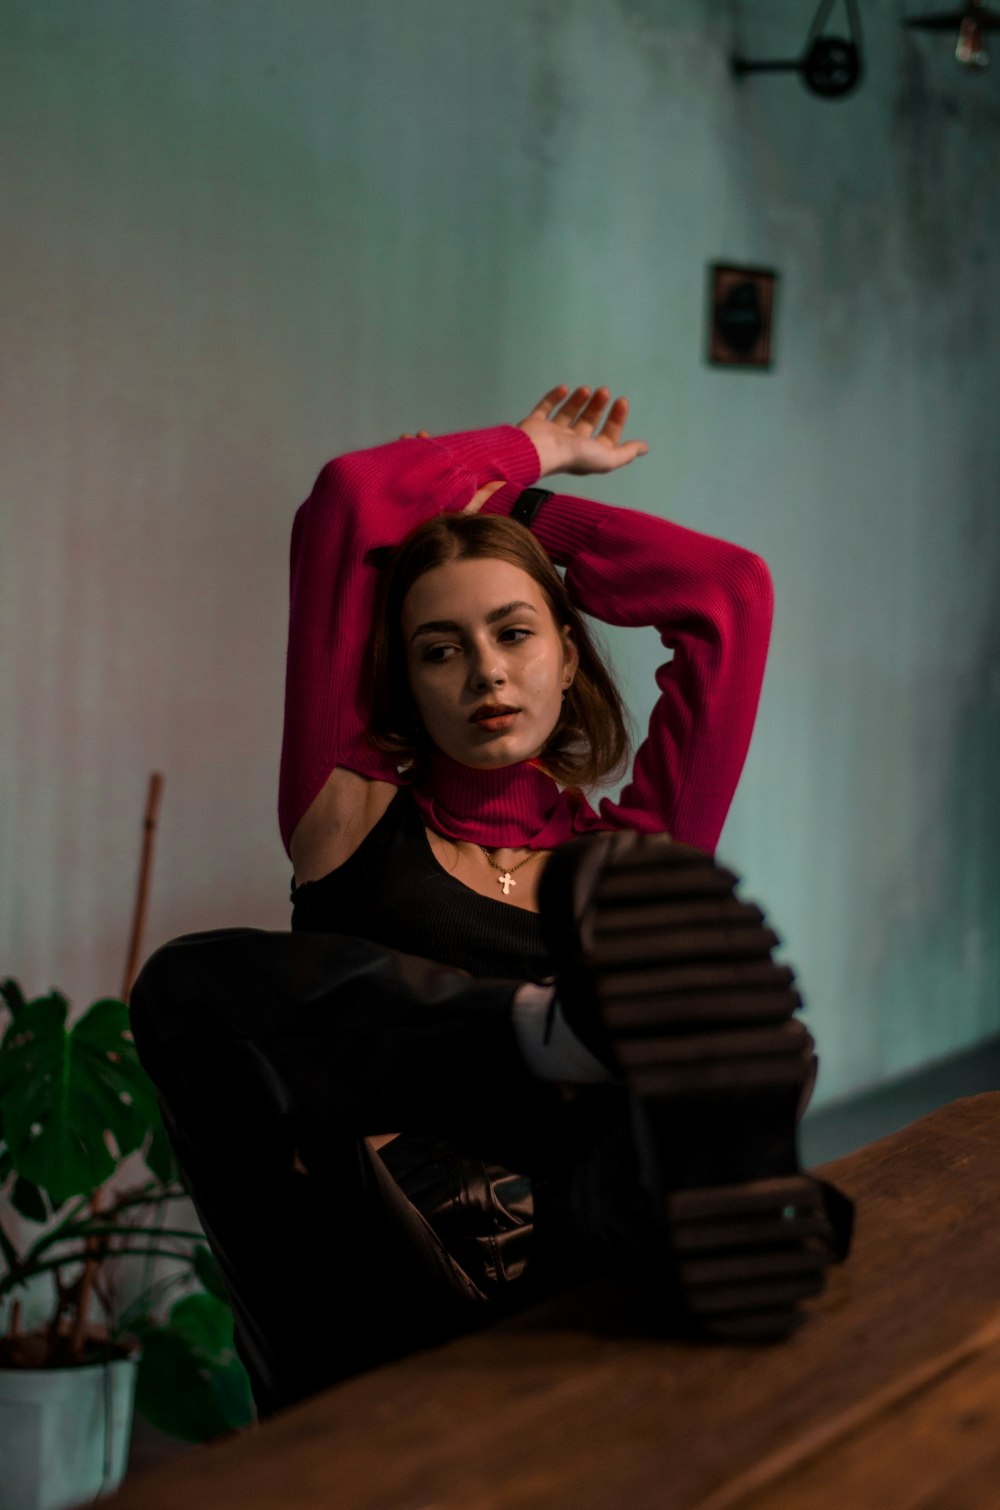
[[503, 807]]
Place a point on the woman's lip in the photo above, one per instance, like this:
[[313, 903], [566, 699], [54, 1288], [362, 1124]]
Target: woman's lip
[[498, 721], [502, 710]]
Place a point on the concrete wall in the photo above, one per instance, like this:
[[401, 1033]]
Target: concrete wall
[[240, 239]]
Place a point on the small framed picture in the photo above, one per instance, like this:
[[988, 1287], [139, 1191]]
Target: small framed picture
[[740, 315]]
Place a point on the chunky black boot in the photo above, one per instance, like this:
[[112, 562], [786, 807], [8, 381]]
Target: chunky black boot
[[668, 978]]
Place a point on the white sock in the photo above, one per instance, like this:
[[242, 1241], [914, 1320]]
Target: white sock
[[548, 1044]]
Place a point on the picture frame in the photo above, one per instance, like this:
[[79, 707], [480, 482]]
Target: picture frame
[[740, 315]]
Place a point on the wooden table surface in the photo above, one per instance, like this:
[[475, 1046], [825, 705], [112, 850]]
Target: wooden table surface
[[888, 1397]]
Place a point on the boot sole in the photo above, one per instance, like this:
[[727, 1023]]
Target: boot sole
[[698, 1022]]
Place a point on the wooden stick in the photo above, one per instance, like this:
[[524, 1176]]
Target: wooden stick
[[145, 869], [154, 792], [86, 1282]]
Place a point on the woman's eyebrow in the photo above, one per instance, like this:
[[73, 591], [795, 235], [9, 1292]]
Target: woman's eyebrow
[[436, 626]]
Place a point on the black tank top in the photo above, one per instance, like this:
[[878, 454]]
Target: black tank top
[[393, 891]]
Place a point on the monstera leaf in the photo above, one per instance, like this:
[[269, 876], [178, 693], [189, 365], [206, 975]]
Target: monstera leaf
[[191, 1382], [64, 1094]]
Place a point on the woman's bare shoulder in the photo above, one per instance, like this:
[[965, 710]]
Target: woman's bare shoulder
[[342, 815]]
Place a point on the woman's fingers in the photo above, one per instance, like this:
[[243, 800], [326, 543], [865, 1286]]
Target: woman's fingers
[[420, 435], [615, 422], [564, 428], [610, 434], [547, 403], [478, 499], [589, 416], [581, 410]]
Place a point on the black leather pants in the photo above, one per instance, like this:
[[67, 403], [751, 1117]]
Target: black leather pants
[[261, 1043]]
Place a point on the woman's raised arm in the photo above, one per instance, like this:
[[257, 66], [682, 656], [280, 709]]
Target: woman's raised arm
[[712, 604], [360, 502]]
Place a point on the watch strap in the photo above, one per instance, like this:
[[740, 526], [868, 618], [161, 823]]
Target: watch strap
[[528, 504]]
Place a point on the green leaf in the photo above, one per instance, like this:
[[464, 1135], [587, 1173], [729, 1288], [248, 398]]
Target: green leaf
[[174, 1392], [12, 995], [205, 1323], [64, 1095], [230, 1384], [191, 1382]]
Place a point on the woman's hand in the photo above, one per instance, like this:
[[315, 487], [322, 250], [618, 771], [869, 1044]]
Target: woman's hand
[[566, 441]]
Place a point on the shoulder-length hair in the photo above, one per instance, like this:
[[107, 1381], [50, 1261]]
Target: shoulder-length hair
[[590, 742]]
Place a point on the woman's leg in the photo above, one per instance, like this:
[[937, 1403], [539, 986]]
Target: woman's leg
[[260, 1043], [351, 1036], [329, 1273]]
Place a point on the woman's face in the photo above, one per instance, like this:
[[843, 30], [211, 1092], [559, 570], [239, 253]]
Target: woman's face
[[481, 631]]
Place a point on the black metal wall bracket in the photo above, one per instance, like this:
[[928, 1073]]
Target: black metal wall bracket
[[829, 66]]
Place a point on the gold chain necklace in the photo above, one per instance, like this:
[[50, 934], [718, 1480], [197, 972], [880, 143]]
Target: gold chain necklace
[[506, 880]]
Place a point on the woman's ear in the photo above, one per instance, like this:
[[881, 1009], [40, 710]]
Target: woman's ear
[[571, 653]]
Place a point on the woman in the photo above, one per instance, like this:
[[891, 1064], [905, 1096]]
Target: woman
[[576, 1030]]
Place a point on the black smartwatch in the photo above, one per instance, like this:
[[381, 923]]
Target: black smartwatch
[[529, 503]]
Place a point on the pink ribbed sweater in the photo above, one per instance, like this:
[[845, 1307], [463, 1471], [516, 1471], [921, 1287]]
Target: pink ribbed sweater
[[710, 601]]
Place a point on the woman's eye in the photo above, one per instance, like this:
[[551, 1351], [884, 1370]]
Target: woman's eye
[[435, 653]]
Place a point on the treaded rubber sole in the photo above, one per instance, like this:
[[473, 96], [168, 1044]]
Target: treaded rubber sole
[[699, 1021]]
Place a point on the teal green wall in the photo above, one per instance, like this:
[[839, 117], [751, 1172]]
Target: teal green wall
[[243, 238]]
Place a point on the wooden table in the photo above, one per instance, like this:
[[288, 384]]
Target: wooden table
[[888, 1397]]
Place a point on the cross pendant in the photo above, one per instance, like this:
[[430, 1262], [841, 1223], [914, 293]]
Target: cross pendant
[[506, 881]]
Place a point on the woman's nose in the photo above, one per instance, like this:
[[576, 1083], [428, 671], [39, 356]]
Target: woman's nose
[[486, 670]]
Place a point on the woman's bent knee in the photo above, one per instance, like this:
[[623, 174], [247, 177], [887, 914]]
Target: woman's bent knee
[[177, 975]]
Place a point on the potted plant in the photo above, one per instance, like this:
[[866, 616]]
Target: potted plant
[[74, 1104]]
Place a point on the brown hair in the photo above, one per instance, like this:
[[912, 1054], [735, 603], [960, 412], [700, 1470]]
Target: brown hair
[[589, 743]]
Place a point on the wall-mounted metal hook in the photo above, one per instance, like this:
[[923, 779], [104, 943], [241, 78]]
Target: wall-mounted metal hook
[[829, 66]]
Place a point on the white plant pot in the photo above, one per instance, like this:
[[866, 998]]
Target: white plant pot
[[64, 1433]]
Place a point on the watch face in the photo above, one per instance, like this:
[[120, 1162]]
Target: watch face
[[529, 503]]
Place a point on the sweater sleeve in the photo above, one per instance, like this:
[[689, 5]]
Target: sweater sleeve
[[360, 502], [712, 605]]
